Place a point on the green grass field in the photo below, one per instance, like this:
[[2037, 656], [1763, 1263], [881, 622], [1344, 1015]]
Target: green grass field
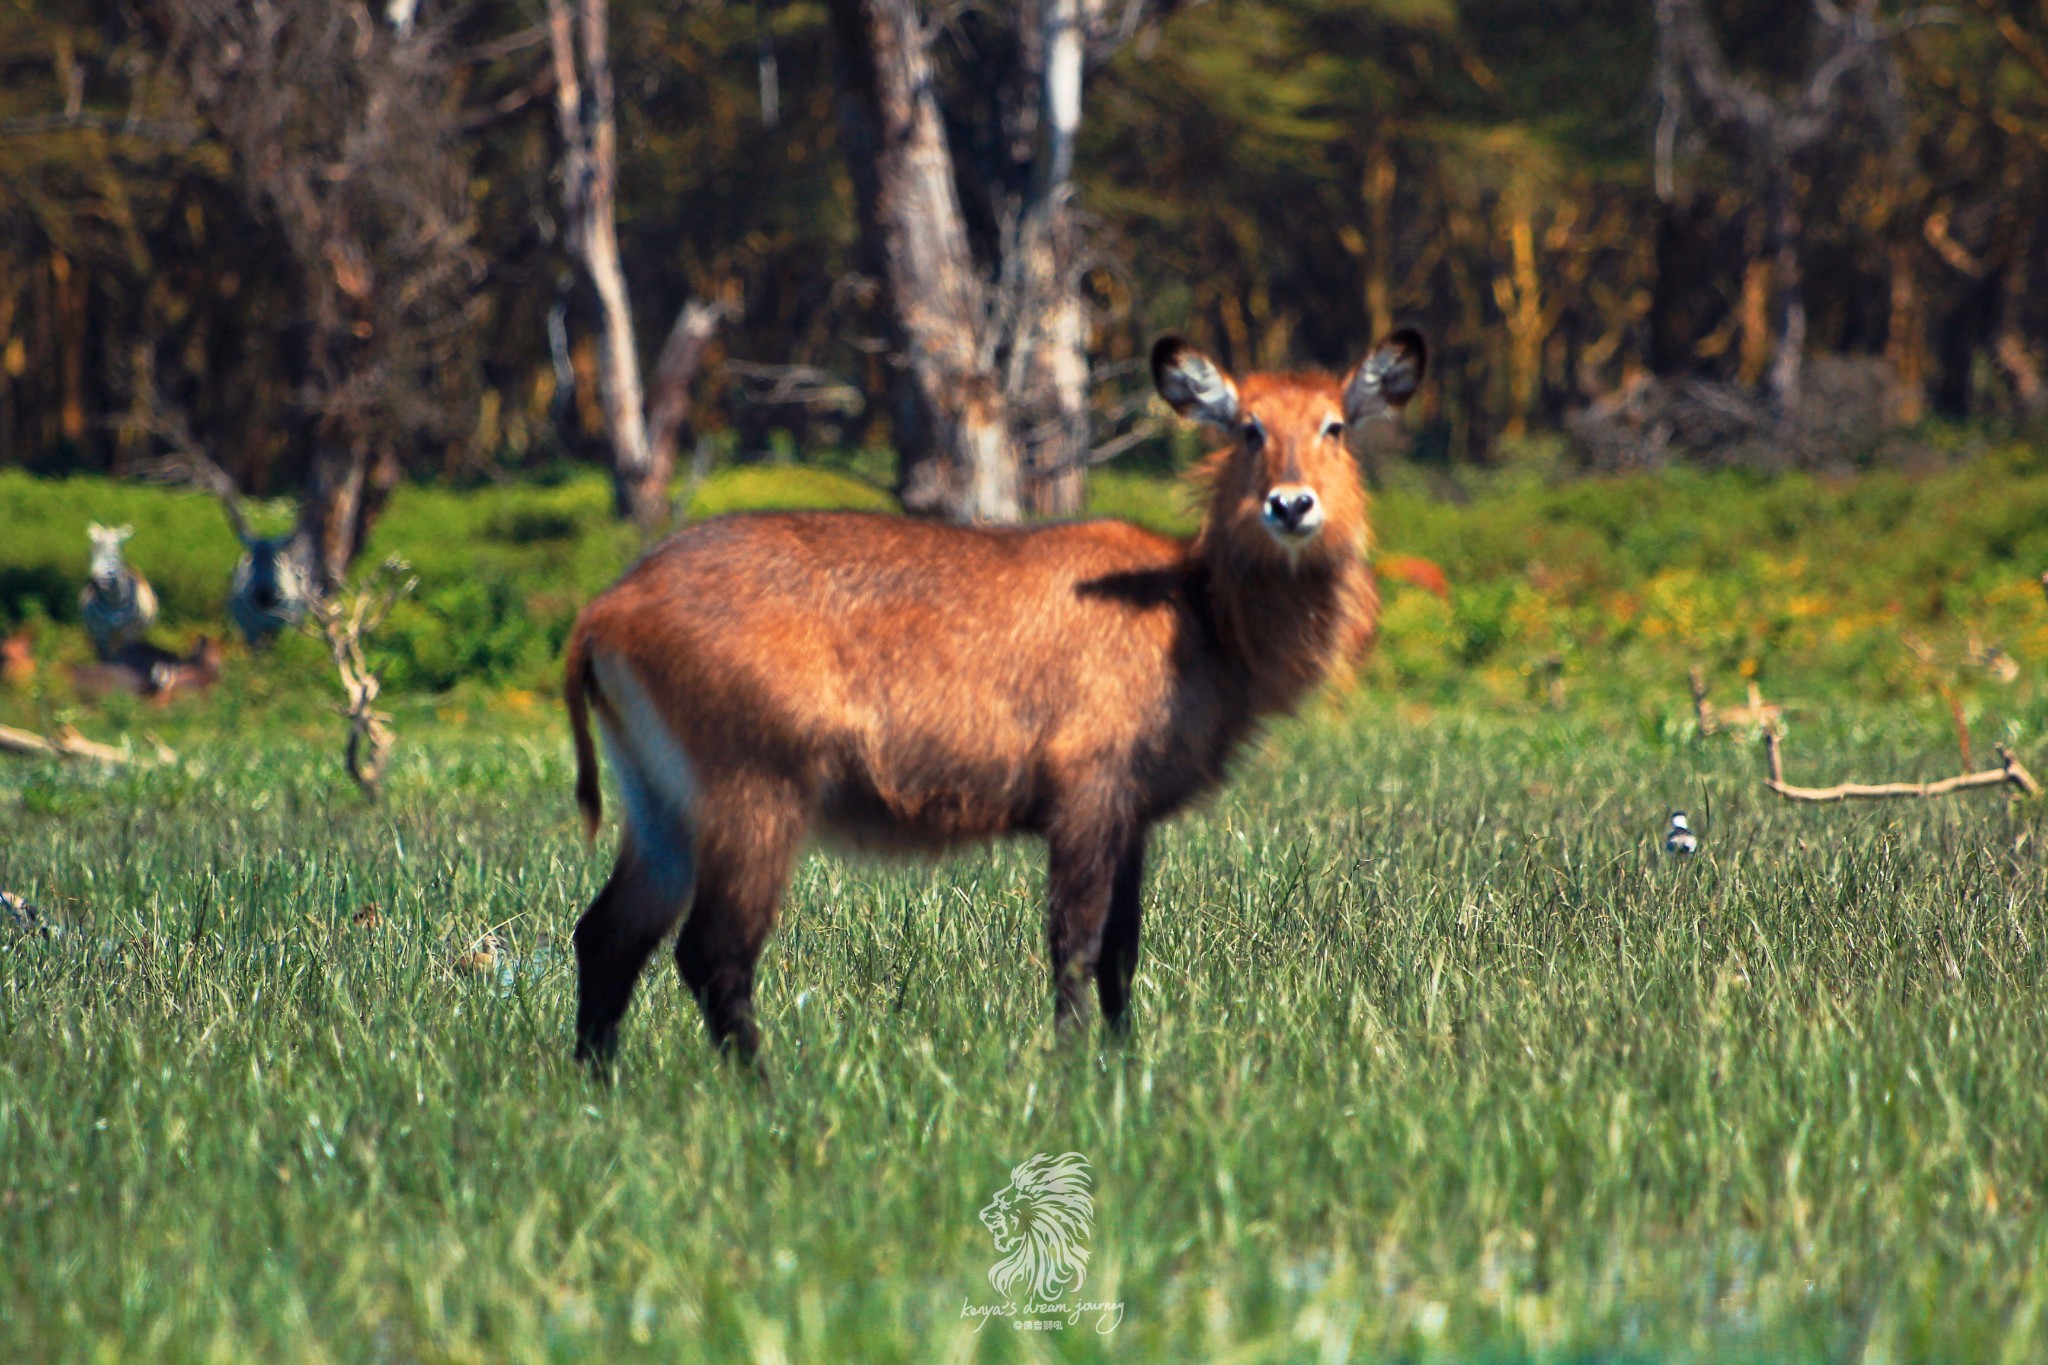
[[1437, 1056], [1437, 1059]]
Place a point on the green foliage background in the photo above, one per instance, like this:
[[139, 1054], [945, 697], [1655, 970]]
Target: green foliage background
[[1810, 586]]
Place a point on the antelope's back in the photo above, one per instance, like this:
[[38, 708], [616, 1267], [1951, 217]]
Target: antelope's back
[[919, 666]]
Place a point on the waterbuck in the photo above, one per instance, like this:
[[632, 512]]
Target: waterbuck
[[904, 684]]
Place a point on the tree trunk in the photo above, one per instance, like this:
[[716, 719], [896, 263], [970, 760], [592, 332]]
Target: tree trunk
[[1754, 352], [583, 107], [1906, 333], [668, 398], [345, 491], [1519, 294], [1380, 180], [1056, 334], [957, 456], [339, 499], [1788, 366], [72, 327], [2016, 360], [1059, 378]]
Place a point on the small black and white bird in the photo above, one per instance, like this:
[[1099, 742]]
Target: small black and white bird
[[1680, 839]]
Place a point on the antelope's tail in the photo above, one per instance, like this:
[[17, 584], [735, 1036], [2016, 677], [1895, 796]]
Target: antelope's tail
[[576, 690]]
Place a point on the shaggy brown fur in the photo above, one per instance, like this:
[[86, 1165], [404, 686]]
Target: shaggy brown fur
[[909, 685]]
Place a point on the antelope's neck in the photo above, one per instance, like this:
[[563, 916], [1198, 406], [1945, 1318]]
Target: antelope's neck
[[1290, 627]]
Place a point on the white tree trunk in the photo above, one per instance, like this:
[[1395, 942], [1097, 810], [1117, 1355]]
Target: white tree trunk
[[589, 187], [1054, 328]]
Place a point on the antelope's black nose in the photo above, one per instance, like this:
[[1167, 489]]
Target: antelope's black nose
[[1289, 511]]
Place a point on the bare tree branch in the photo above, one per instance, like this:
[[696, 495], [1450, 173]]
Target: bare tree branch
[[682, 355], [344, 621], [2022, 43], [187, 462]]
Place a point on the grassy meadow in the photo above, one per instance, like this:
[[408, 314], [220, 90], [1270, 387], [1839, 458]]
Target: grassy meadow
[[1438, 1057]]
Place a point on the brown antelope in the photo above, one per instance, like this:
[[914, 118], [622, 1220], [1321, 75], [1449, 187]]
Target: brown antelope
[[904, 684]]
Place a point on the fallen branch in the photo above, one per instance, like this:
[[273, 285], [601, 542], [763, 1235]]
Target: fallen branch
[[68, 743], [2012, 774], [1713, 719]]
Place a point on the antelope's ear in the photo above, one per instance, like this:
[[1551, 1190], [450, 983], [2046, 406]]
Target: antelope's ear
[[122, 533], [1192, 384], [1385, 380]]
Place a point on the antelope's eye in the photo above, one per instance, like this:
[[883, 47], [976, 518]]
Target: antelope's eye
[[1333, 430], [1254, 433]]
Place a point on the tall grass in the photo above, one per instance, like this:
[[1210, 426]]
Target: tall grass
[[1437, 1058]]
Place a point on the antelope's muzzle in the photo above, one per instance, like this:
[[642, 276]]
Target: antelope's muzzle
[[1292, 513]]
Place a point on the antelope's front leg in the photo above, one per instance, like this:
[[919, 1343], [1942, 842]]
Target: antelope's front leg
[[1118, 962], [1081, 887]]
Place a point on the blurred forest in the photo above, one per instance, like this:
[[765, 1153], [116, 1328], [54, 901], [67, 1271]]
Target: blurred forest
[[332, 244]]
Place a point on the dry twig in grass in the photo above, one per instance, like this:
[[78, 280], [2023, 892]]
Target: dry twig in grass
[[1714, 719], [68, 743], [2012, 773], [1769, 718], [345, 621], [1930, 669]]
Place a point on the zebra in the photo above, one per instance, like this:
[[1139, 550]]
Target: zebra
[[269, 589], [117, 605]]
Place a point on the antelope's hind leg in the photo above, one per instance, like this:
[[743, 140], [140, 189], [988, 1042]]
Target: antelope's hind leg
[[638, 908], [750, 837], [652, 883]]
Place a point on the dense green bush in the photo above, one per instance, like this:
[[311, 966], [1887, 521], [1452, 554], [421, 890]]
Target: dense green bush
[[1808, 585], [1803, 582], [502, 570]]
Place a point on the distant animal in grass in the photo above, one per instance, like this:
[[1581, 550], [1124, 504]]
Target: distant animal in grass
[[1679, 839], [146, 670], [480, 957], [269, 594], [117, 605], [17, 660]]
